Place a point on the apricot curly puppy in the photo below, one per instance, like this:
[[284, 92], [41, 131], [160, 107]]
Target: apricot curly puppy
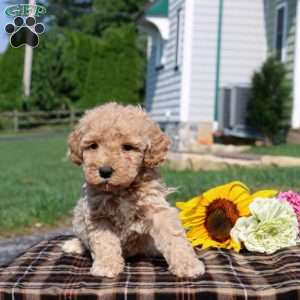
[[123, 211]]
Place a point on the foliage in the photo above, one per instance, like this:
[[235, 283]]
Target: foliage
[[94, 16], [54, 77], [115, 69], [91, 53], [75, 69], [270, 101], [11, 74]]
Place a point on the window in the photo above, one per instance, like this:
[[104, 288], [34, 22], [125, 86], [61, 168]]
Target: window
[[178, 53], [159, 51], [280, 32]]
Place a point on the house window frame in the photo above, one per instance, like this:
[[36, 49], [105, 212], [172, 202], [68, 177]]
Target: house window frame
[[284, 6], [159, 51], [178, 52]]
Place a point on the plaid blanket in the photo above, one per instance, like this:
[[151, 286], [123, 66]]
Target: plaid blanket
[[45, 272]]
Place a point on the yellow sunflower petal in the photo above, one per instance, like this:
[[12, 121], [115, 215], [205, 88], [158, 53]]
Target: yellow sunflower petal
[[192, 213], [180, 205], [223, 191], [196, 211], [264, 194], [242, 197], [237, 191], [244, 203], [201, 242], [210, 243], [188, 204], [236, 246], [205, 242], [195, 232], [192, 218], [243, 206], [230, 244], [193, 222], [198, 242]]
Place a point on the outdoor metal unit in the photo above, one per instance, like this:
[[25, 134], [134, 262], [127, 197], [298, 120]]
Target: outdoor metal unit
[[238, 108], [232, 117]]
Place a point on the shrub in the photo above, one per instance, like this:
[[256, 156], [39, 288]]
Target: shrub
[[115, 70], [75, 69], [54, 77], [270, 101], [11, 74]]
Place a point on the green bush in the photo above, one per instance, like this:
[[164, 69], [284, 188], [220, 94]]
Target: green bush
[[269, 105], [115, 69], [11, 74], [75, 69], [54, 76], [84, 45]]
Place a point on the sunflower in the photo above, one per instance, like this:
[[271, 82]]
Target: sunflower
[[210, 217]]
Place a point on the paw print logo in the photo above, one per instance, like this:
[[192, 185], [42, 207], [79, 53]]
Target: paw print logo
[[24, 33]]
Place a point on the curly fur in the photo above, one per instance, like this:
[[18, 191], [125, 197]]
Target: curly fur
[[126, 214]]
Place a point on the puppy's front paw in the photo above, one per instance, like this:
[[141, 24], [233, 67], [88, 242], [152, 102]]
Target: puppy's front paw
[[105, 269], [73, 246], [190, 268]]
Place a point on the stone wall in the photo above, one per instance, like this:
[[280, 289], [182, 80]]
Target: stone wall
[[187, 137]]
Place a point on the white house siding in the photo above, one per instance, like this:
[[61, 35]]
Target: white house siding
[[203, 63], [164, 86], [290, 59], [270, 16], [243, 50], [244, 42]]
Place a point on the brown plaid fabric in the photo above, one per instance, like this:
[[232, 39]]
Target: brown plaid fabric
[[45, 272]]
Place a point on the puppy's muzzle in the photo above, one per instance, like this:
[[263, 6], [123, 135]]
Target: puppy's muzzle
[[106, 172]]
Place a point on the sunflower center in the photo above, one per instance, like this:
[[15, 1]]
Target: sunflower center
[[221, 216]]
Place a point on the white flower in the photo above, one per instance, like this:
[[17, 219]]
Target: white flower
[[272, 226]]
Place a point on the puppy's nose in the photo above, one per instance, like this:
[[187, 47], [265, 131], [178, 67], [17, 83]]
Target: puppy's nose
[[105, 172]]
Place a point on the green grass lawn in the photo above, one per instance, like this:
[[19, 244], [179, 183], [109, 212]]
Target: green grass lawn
[[39, 185], [281, 150], [37, 182]]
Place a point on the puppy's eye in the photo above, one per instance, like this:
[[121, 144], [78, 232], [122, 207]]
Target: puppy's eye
[[128, 147], [93, 146]]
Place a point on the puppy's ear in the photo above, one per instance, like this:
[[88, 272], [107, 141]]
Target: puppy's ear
[[74, 147], [158, 147]]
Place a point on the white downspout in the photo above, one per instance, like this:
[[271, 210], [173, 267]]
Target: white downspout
[[187, 61]]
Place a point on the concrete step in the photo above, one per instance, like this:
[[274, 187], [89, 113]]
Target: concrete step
[[219, 161]]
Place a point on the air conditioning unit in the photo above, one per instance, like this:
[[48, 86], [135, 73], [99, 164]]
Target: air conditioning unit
[[232, 118]]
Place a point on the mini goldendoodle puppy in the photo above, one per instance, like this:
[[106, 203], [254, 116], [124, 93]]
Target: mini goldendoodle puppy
[[123, 209]]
